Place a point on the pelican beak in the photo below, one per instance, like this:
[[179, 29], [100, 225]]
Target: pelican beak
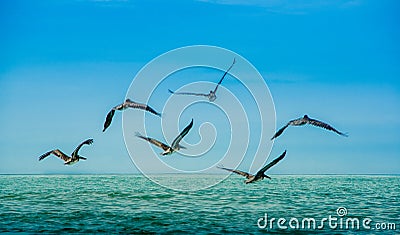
[[182, 147]]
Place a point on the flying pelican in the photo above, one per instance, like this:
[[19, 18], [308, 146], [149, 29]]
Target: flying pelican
[[211, 96], [175, 144], [306, 120], [127, 104], [260, 174], [67, 159]]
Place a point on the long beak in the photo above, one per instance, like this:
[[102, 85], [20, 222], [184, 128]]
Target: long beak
[[182, 147]]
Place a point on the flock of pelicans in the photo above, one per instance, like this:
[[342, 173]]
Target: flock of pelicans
[[175, 146]]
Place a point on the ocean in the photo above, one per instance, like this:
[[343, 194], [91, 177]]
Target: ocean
[[287, 204]]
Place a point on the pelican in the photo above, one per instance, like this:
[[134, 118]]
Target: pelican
[[67, 159], [175, 144], [211, 96], [127, 104], [306, 120], [260, 174]]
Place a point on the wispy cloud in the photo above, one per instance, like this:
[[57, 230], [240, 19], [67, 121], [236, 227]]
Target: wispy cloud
[[287, 6]]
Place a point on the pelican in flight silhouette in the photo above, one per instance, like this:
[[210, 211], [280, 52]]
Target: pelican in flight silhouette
[[175, 144], [260, 175], [127, 104], [67, 159], [306, 120], [211, 96]]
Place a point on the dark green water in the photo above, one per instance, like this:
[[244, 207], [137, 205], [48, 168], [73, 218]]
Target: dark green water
[[133, 204]]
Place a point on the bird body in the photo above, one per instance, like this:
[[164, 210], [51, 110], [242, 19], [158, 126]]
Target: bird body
[[175, 146], [68, 160], [260, 175]]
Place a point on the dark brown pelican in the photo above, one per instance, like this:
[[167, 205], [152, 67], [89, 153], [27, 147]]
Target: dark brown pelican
[[306, 120], [175, 144], [211, 96], [260, 174], [67, 159], [127, 104]]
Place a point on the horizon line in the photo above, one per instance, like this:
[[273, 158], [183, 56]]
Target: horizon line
[[100, 174]]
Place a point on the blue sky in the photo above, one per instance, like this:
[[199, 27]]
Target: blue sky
[[64, 64]]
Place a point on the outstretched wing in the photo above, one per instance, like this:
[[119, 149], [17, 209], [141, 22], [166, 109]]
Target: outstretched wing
[[187, 93], [109, 118], [280, 131], [57, 153], [325, 126], [88, 142], [136, 105], [220, 81], [153, 141], [242, 173], [110, 114], [121, 107], [271, 164], [178, 139]]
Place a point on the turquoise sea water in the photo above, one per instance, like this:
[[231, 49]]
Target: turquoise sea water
[[134, 204]]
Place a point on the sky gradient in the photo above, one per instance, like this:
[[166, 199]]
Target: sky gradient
[[65, 64]]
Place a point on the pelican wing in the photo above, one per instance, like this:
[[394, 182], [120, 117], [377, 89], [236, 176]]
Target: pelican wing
[[325, 126], [280, 131], [188, 93], [121, 106], [298, 121], [110, 114], [271, 164], [178, 139], [109, 118], [220, 81], [88, 142], [57, 153], [153, 141], [136, 105], [242, 173]]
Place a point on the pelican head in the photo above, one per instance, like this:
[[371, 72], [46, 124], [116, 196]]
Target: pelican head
[[180, 147], [167, 152], [212, 96], [266, 176], [72, 162]]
